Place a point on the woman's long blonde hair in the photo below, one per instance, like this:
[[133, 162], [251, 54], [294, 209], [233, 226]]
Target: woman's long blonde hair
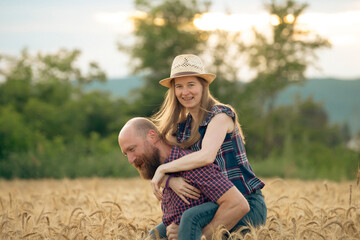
[[172, 113]]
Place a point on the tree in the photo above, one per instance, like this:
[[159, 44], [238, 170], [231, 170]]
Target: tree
[[279, 60], [50, 126], [283, 58]]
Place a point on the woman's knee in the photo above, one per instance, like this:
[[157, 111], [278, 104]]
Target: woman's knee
[[197, 213]]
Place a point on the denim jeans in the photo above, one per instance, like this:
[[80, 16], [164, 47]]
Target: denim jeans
[[196, 218], [161, 229]]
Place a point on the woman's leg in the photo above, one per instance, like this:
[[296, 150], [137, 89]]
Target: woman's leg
[[161, 229], [195, 219], [258, 211]]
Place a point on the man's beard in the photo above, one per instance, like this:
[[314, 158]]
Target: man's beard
[[147, 163]]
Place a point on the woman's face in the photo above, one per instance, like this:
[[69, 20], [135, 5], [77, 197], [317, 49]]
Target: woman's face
[[188, 91]]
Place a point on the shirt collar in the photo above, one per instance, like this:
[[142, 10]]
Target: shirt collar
[[174, 154]]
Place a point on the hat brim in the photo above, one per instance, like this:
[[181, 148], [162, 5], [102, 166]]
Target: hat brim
[[209, 77]]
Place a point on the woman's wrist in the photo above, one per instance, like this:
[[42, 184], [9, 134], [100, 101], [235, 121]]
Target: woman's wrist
[[161, 169], [168, 180]]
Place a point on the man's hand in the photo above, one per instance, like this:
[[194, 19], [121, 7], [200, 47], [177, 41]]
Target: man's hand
[[183, 189], [156, 182], [172, 231]]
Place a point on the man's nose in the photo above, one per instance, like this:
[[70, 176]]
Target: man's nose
[[131, 158]]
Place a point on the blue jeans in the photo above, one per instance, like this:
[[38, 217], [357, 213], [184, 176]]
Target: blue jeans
[[196, 218], [161, 229]]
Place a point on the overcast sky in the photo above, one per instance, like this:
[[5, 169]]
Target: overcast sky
[[94, 27]]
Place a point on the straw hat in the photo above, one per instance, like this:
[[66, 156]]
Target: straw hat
[[187, 65]]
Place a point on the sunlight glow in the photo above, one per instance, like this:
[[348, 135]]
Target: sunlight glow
[[229, 22], [139, 14], [340, 28], [159, 21], [275, 20], [290, 18], [118, 17]]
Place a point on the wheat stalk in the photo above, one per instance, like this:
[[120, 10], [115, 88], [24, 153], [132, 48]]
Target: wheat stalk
[[73, 212]]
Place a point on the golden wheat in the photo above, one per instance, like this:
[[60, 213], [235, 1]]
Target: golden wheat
[[127, 209]]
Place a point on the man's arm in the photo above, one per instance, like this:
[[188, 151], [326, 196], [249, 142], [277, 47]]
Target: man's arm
[[232, 207]]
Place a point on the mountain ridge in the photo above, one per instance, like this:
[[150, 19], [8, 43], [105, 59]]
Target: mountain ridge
[[340, 98]]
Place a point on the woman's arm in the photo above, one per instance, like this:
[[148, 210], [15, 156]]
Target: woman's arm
[[180, 186], [218, 127]]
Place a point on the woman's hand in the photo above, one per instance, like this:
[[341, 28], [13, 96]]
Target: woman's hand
[[183, 189], [172, 231], [156, 182]]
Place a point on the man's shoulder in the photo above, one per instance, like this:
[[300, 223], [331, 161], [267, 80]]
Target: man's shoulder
[[177, 152], [184, 152], [181, 152]]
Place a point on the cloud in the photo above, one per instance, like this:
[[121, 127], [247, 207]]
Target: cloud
[[119, 22], [341, 28]]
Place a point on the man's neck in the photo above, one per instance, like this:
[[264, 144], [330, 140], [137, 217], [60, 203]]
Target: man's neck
[[165, 150]]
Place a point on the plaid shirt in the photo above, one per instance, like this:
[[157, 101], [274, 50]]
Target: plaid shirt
[[208, 180], [231, 157]]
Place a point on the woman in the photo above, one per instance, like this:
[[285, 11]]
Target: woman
[[192, 118]]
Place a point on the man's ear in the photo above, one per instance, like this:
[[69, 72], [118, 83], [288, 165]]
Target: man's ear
[[152, 136]]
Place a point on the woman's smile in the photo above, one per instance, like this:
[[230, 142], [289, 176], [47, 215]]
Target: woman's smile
[[188, 91], [188, 98]]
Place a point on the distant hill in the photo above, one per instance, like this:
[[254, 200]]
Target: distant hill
[[118, 86], [340, 98]]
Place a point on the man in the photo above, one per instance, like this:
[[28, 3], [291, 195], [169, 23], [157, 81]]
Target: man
[[141, 142]]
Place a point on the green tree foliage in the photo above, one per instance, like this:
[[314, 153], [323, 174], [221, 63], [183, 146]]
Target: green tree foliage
[[50, 127], [14, 133], [304, 146]]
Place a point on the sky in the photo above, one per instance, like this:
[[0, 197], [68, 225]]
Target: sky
[[95, 27]]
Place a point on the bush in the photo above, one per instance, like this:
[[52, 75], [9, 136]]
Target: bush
[[82, 158]]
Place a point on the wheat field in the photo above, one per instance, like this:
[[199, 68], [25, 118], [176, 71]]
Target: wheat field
[[126, 209]]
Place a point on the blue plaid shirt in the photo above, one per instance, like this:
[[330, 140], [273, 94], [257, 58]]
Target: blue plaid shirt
[[231, 157], [208, 180]]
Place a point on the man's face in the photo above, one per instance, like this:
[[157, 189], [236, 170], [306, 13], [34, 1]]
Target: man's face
[[140, 153], [148, 162]]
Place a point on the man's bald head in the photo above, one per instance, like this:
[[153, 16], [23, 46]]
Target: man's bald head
[[138, 126]]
